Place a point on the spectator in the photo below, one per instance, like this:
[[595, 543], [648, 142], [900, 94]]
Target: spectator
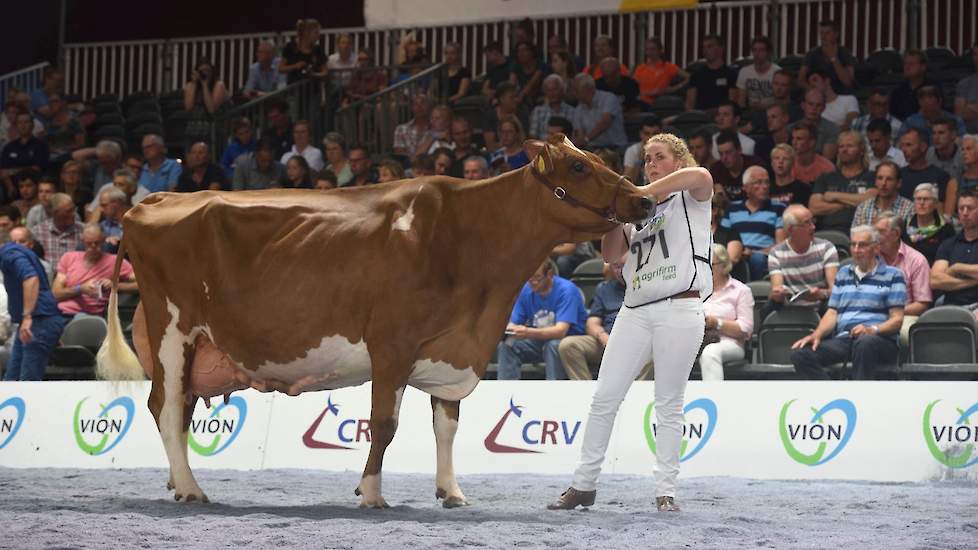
[[62, 132], [258, 170], [443, 160], [497, 69], [729, 312], [475, 168], [506, 105], [407, 136], [944, 152], [242, 143], [8, 125], [865, 313], [297, 174], [114, 204], [263, 75], [969, 159], [581, 354], [70, 183], [727, 119], [9, 218], [714, 82], [335, 146], [41, 212], [558, 44], [786, 189], [303, 57], [728, 171], [624, 87], [927, 227], [522, 32], [459, 77], [757, 219], [511, 144], [914, 146], [754, 89], [547, 309], [878, 135], [62, 233], [558, 125], [108, 159], [657, 76], [809, 165], [913, 265], [966, 95], [159, 173], [527, 72], [279, 128], [367, 79], [878, 108], [134, 163], [32, 306], [903, 98], [831, 59], [359, 160], [302, 146], [699, 147], [840, 109], [123, 180], [562, 66], [27, 186], [343, 61], [955, 271], [462, 137], [423, 165], [635, 155], [887, 197], [201, 174], [553, 105], [803, 267], [203, 96], [598, 120], [602, 50], [23, 236], [327, 180], [439, 134], [54, 83], [23, 154], [825, 132], [390, 170], [729, 238], [84, 279], [781, 87], [930, 99], [777, 125]]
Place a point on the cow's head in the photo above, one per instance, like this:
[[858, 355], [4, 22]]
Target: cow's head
[[586, 195]]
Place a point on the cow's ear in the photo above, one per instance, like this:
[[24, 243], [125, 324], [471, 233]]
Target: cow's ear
[[540, 154]]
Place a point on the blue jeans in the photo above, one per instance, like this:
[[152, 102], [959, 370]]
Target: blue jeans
[[512, 355], [758, 265], [868, 352], [28, 362]]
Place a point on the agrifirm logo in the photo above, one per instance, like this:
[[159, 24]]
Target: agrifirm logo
[[954, 431], [331, 430], [515, 433], [808, 441], [12, 413], [99, 430], [222, 427], [700, 420]]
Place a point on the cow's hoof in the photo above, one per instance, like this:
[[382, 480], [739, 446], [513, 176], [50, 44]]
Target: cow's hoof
[[170, 486], [191, 497], [376, 503], [454, 502]]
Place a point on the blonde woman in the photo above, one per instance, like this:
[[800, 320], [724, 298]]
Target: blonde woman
[[729, 312]]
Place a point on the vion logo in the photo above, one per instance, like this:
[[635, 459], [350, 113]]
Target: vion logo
[[11, 418], [958, 438], [98, 431], [223, 425], [531, 432], [701, 420], [831, 426], [339, 430]]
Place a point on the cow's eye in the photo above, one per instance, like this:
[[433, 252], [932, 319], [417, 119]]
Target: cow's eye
[[578, 167]]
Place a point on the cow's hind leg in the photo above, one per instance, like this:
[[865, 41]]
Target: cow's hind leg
[[445, 421], [385, 406]]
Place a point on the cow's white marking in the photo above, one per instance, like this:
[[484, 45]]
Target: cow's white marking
[[335, 363], [370, 491], [404, 221], [207, 291], [445, 428], [442, 380], [397, 404]]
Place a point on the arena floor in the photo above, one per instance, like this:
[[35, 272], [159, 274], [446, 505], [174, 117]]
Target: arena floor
[[46, 508]]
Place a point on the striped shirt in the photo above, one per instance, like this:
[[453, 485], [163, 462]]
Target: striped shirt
[[757, 228], [867, 301], [803, 270]]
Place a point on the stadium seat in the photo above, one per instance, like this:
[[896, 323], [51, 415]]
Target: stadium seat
[[587, 276], [87, 331], [668, 105], [741, 272], [144, 106], [886, 61], [107, 108], [108, 131], [943, 343], [939, 57], [778, 332], [74, 359], [109, 119], [838, 238], [105, 98], [688, 122], [143, 118], [791, 63]]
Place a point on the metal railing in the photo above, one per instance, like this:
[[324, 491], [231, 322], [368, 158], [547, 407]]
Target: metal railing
[[26, 79]]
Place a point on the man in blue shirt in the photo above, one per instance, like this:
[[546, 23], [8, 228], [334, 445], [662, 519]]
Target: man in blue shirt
[[758, 220], [865, 312], [159, 173], [548, 309], [263, 75], [32, 305]]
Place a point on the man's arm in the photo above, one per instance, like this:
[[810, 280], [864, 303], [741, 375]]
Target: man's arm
[[916, 308], [30, 287], [779, 235], [595, 328], [690, 98], [820, 205], [950, 196], [940, 279], [825, 326], [963, 270], [599, 128], [778, 292], [851, 199], [61, 291], [892, 325], [559, 330]]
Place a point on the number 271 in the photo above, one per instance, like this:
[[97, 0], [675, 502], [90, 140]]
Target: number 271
[[638, 249]]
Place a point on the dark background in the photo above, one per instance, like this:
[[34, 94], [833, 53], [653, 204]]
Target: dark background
[[29, 32]]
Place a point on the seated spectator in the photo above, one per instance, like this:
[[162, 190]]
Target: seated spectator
[[302, 146], [757, 219], [475, 168], [23, 236], [22, 154], [825, 132], [40, 98], [903, 98], [134, 163], [880, 147], [553, 105], [754, 80], [656, 76], [727, 237], [367, 79], [887, 197], [786, 189], [327, 180], [864, 317], [700, 147], [837, 194], [581, 354], [930, 99], [777, 124], [159, 173], [359, 159], [913, 143], [27, 187], [727, 119], [968, 179], [8, 125], [497, 69], [830, 58], [41, 212], [108, 159], [733, 164], [601, 46], [713, 82], [62, 233], [624, 87], [123, 180], [557, 43], [955, 271], [944, 152], [32, 306], [598, 120], [279, 129], [84, 279], [343, 61], [913, 265], [729, 315], [464, 148], [389, 170], [200, 174], [803, 267], [966, 95], [781, 87], [547, 309], [263, 75], [258, 170], [527, 72], [927, 227], [9, 218], [114, 204], [562, 66], [407, 136], [809, 165], [511, 143], [242, 142], [70, 183], [203, 96], [840, 110], [303, 57], [877, 108], [336, 162], [439, 134], [441, 159], [298, 175], [506, 105], [459, 76], [634, 162]]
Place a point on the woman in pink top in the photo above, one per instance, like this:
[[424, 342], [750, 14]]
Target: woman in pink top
[[729, 311]]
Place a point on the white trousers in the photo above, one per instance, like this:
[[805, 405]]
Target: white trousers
[[670, 332], [713, 356]]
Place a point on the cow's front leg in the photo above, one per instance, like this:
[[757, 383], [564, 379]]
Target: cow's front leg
[[445, 422], [386, 403]]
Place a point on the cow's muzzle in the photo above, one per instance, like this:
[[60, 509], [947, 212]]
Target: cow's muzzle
[[609, 213]]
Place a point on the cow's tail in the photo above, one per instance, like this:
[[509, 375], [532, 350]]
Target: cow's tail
[[116, 360]]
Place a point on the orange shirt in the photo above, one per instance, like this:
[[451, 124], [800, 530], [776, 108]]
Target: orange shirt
[[595, 71], [654, 78]]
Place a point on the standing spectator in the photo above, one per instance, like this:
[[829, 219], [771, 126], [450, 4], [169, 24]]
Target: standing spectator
[[511, 144], [913, 265], [475, 168], [553, 105], [887, 197], [335, 146], [62, 233], [203, 96], [159, 173], [930, 99], [114, 204], [865, 313], [298, 175], [634, 162], [22, 235], [303, 57], [279, 128], [729, 316], [367, 79], [32, 306], [263, 75], [944, 152], [913, 143], [729, 238], [825, 132], [506, 105], [656, 76], [62, 132], [27, 186], [727, 119], [527, 72], [408, 135], [54, 83], [547, 309], [462, 137], [966, 95], [878, 108], [497, 69], [903, 99], [837, 193], [802, 264], [624, 87], [242, 143], [757, 219], [809, 165], [343, 61], [459, 76], [786, 189], [727, 172], [927, 227], [878, 134], [359, 160], [8, 125], [840, 109], [200, 173], [302, 146], [602, 50], [955, 271], [84, 278], [598, 120], [258, 170], [830, 58], [754, 89], [41, 212], [23, 154], [713, 82]]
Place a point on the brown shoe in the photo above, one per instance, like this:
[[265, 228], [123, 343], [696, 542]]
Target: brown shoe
[[666, 504], [572, 498]]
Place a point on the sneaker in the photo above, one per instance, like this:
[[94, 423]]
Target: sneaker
[[666, 504], [572, 498]]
